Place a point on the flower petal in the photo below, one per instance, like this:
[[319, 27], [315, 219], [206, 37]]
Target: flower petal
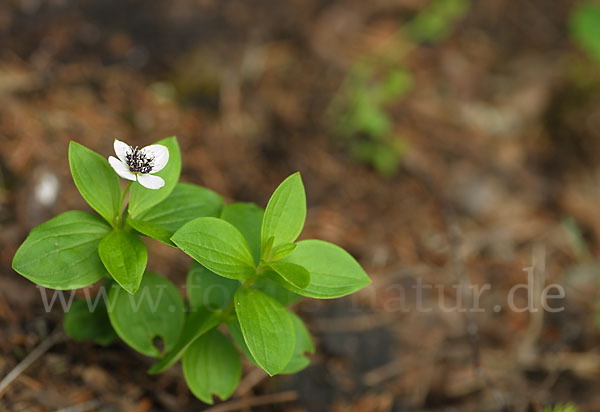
[[121, 149], [121, 168], [160, 154], [151, 182]]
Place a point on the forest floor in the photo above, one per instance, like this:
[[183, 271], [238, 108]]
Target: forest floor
[[500, 174]]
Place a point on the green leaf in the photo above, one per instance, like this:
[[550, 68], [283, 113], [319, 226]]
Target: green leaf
[[84, 322], [285, 213], [62, 253], [268, 247], [155, 311], [208, 290], [196, 324], [292, 273], [151, 230], [275, 290], [333, 271], [282, 251], [385, 160], [396, 84], [304, 344], [125, 256], [212, 365], [267, 327], [217, 245], [373, 121], [185, 203], [141, 198], [435, 21], [96, 180], [233, 325], [247, 218], [585, 28]]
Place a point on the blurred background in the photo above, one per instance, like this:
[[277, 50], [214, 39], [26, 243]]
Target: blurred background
[[448, 142]]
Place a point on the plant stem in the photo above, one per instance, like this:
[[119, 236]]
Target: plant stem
[[227, 312], [121, 216], [246, 284], [250, 281]]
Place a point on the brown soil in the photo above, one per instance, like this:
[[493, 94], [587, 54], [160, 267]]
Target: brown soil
[[503, 147]]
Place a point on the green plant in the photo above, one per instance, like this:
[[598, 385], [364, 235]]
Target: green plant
[[248, 267], [584, 26], [363, 120], [435, 22], [360, 111], [569, 407]]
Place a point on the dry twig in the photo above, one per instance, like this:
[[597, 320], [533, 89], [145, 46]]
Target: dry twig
[[252, 379], [82, 407], [41, 349], [287, 396]]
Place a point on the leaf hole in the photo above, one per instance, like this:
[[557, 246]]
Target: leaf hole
[[159, 343]]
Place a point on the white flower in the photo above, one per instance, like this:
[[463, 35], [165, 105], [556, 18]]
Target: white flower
[[140, 164]]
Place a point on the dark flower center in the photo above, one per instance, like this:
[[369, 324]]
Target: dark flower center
[[138, 162]]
